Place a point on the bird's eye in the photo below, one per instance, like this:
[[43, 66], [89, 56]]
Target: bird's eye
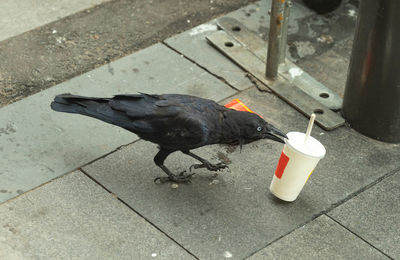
[[259, 128]]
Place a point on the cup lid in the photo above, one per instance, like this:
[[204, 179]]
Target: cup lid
[[311, 148]]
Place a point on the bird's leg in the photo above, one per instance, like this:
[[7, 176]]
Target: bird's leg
[[159, 161], [205, 163]]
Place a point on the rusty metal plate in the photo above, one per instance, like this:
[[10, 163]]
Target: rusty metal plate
[[288, 70], [285, 89]]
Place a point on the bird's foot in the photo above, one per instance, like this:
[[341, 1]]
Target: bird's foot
[[182, 177], [209, 166]]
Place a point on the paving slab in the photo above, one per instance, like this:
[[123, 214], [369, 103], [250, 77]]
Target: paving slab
[[305, 27], [190, 42], [23, 15], [255, 16], [374, 215], [322, 238], [309, 34], [38, 144], [234, 214], [330, 68], [74, 218]]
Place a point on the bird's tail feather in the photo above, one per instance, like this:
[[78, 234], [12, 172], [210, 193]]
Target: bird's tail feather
[[88, 106]]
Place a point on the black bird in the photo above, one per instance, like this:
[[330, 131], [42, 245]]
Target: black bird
[[174, 122]]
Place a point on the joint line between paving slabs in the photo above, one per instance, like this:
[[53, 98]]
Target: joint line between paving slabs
[[127, 205], [359, 237], [362, 189], [333, 206], [107, 154], [71, 171], [204, 68]]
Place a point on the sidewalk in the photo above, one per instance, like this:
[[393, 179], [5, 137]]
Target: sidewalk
[[72, 187]]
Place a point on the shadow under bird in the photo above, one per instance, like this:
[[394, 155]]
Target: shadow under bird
[[174, 122]]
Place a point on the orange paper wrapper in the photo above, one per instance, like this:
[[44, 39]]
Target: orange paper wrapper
[[238, 105]]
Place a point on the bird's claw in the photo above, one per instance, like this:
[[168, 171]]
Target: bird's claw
[[209, 166], [180, 178]]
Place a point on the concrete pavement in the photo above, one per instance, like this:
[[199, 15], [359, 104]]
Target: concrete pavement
[[74, 218], [93, 194]]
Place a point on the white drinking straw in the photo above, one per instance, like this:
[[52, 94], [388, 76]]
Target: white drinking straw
[[309, 128]]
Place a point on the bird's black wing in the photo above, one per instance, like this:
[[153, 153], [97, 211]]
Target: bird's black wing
[[178, 122], [173, 121]]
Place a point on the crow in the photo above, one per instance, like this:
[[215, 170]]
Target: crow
[[175, 122]]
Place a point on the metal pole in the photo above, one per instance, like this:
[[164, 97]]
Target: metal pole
[[286, 14], [371, 101], [275, 41]]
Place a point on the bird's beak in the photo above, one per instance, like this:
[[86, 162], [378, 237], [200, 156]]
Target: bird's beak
[[275, 134]]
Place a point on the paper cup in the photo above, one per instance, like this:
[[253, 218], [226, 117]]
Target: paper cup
[[297, 162]]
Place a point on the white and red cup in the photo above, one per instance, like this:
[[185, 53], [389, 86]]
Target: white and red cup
[[298, 159]]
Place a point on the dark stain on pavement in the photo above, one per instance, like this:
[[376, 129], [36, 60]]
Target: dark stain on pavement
[[110, 69], [231, 148], [223, 158], [8, 129]]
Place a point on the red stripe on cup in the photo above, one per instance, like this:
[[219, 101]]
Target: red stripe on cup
[[283, 161]]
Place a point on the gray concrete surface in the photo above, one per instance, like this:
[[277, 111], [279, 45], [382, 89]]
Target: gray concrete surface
[[74, 218], [322, 238], [68, 47], [17, 17], [309, 34], [254, 17], [320, 45], [236, 213], [190, 42], [38, 144], [375, 215]]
